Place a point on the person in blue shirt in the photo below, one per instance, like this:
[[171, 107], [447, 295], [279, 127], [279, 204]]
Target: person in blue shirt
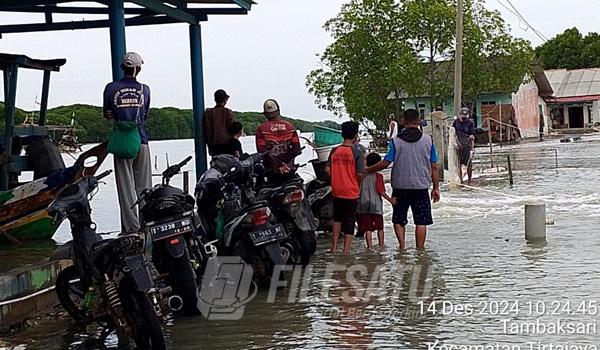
[[129, 100], [414, 172]]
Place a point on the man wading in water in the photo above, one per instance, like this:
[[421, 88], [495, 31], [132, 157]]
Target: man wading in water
[[465, 132], [414, 171]]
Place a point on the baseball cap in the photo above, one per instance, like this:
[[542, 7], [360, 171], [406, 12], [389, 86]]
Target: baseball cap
[[270, 106], [464, 111], [221, 95], [132, 59]]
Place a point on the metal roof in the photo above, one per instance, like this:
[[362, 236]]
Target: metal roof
[[574, 83]]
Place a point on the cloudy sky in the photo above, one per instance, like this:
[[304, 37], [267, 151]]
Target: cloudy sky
[[262, 55]]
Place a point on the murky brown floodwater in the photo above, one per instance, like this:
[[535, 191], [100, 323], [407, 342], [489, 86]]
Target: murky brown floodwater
[[476, 262]]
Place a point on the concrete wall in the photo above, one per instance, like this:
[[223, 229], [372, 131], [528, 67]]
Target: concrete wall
[[21, 293]]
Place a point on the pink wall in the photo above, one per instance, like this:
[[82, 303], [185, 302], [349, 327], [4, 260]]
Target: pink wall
[[527, 110]]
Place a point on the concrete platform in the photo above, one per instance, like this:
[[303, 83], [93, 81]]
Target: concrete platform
[[27, 280]]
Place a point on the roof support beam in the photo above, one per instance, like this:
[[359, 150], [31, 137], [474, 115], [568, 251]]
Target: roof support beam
[[245, 4], [160, 7], [74, 10], [43, 27], [23, 3]]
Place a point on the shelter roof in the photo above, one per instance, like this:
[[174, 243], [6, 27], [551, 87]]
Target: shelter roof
[[23, 61], [137, 12]]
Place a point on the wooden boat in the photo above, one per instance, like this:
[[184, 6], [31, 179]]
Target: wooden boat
[[23, 209]]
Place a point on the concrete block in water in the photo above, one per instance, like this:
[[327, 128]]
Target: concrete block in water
[[535, 221]]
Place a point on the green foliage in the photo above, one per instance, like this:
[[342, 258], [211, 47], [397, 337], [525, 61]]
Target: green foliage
[[164, 123], [251, 121], [430, 27], [570, 50], [403, 46], [493, 60], [370, 58]]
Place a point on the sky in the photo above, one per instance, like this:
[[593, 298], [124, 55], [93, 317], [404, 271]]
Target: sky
[[265, 54]]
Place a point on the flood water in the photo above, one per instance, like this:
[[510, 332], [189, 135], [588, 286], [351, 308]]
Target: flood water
[[478, 272]]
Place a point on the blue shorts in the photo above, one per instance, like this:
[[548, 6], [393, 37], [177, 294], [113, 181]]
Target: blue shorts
[[418, 201]]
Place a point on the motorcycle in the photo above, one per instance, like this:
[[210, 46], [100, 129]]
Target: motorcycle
[[242, 225], [292, 208], [176, 239], [109, 281], [320, 197]]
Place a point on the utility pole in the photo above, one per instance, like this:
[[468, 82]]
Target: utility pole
[[458, 58]]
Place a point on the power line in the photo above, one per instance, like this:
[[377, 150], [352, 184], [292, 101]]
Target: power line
[[521, 18]]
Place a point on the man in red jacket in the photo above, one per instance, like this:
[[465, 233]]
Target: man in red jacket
[[280, 138]]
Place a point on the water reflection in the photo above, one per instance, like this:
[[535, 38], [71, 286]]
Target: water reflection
[[476, 254]]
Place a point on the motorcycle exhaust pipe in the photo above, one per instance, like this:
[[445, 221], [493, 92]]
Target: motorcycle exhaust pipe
[[175, 303]]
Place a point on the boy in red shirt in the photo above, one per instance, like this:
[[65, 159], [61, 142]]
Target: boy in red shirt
[[346, 168], [370, 205]]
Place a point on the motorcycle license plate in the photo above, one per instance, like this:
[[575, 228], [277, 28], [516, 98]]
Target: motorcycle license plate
[[268, 235], [171, 228]]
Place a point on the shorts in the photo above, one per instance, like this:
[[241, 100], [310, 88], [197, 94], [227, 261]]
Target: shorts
[[465, 154], [344, 211], [418, 201], [369, 223]]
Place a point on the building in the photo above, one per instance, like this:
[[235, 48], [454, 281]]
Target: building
[[575, 104], [525, 107]]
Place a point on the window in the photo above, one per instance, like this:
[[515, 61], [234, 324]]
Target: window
[[488, 103]]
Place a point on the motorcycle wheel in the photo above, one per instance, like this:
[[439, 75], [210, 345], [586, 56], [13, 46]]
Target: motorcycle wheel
[[304, 246], [183, 279], [143, 321], [262, 272], [71, 294]]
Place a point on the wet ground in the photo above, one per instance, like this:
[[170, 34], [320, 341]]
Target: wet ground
[[477, 283]]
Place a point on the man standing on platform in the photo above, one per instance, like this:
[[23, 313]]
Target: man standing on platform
[[129, 100], [215, 125]]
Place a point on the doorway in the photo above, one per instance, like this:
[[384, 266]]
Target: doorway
[[576, 117]]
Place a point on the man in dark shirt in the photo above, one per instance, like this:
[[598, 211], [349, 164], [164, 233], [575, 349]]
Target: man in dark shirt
[[465, 132], [129, 100], [236, 130], [215, 125]]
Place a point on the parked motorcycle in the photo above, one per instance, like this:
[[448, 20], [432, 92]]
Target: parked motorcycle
[[320, 197], [292, 209], [109, 282], [176, 239], [242, 225]]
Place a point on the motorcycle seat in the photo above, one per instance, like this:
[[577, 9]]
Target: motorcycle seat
[[269, 192], [256, 205]]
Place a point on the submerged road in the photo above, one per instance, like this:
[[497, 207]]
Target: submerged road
[[479, 283]]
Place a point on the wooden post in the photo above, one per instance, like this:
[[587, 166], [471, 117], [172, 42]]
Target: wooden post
[[510, 173], [458, 57], [490, 142], [501, 126], [438, 130]]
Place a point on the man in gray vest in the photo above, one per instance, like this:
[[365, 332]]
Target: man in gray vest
[[414, 171]]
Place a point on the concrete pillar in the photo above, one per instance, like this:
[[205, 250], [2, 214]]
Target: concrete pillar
[[596, 111], [198, 98], [438, 130], [535, 221]]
